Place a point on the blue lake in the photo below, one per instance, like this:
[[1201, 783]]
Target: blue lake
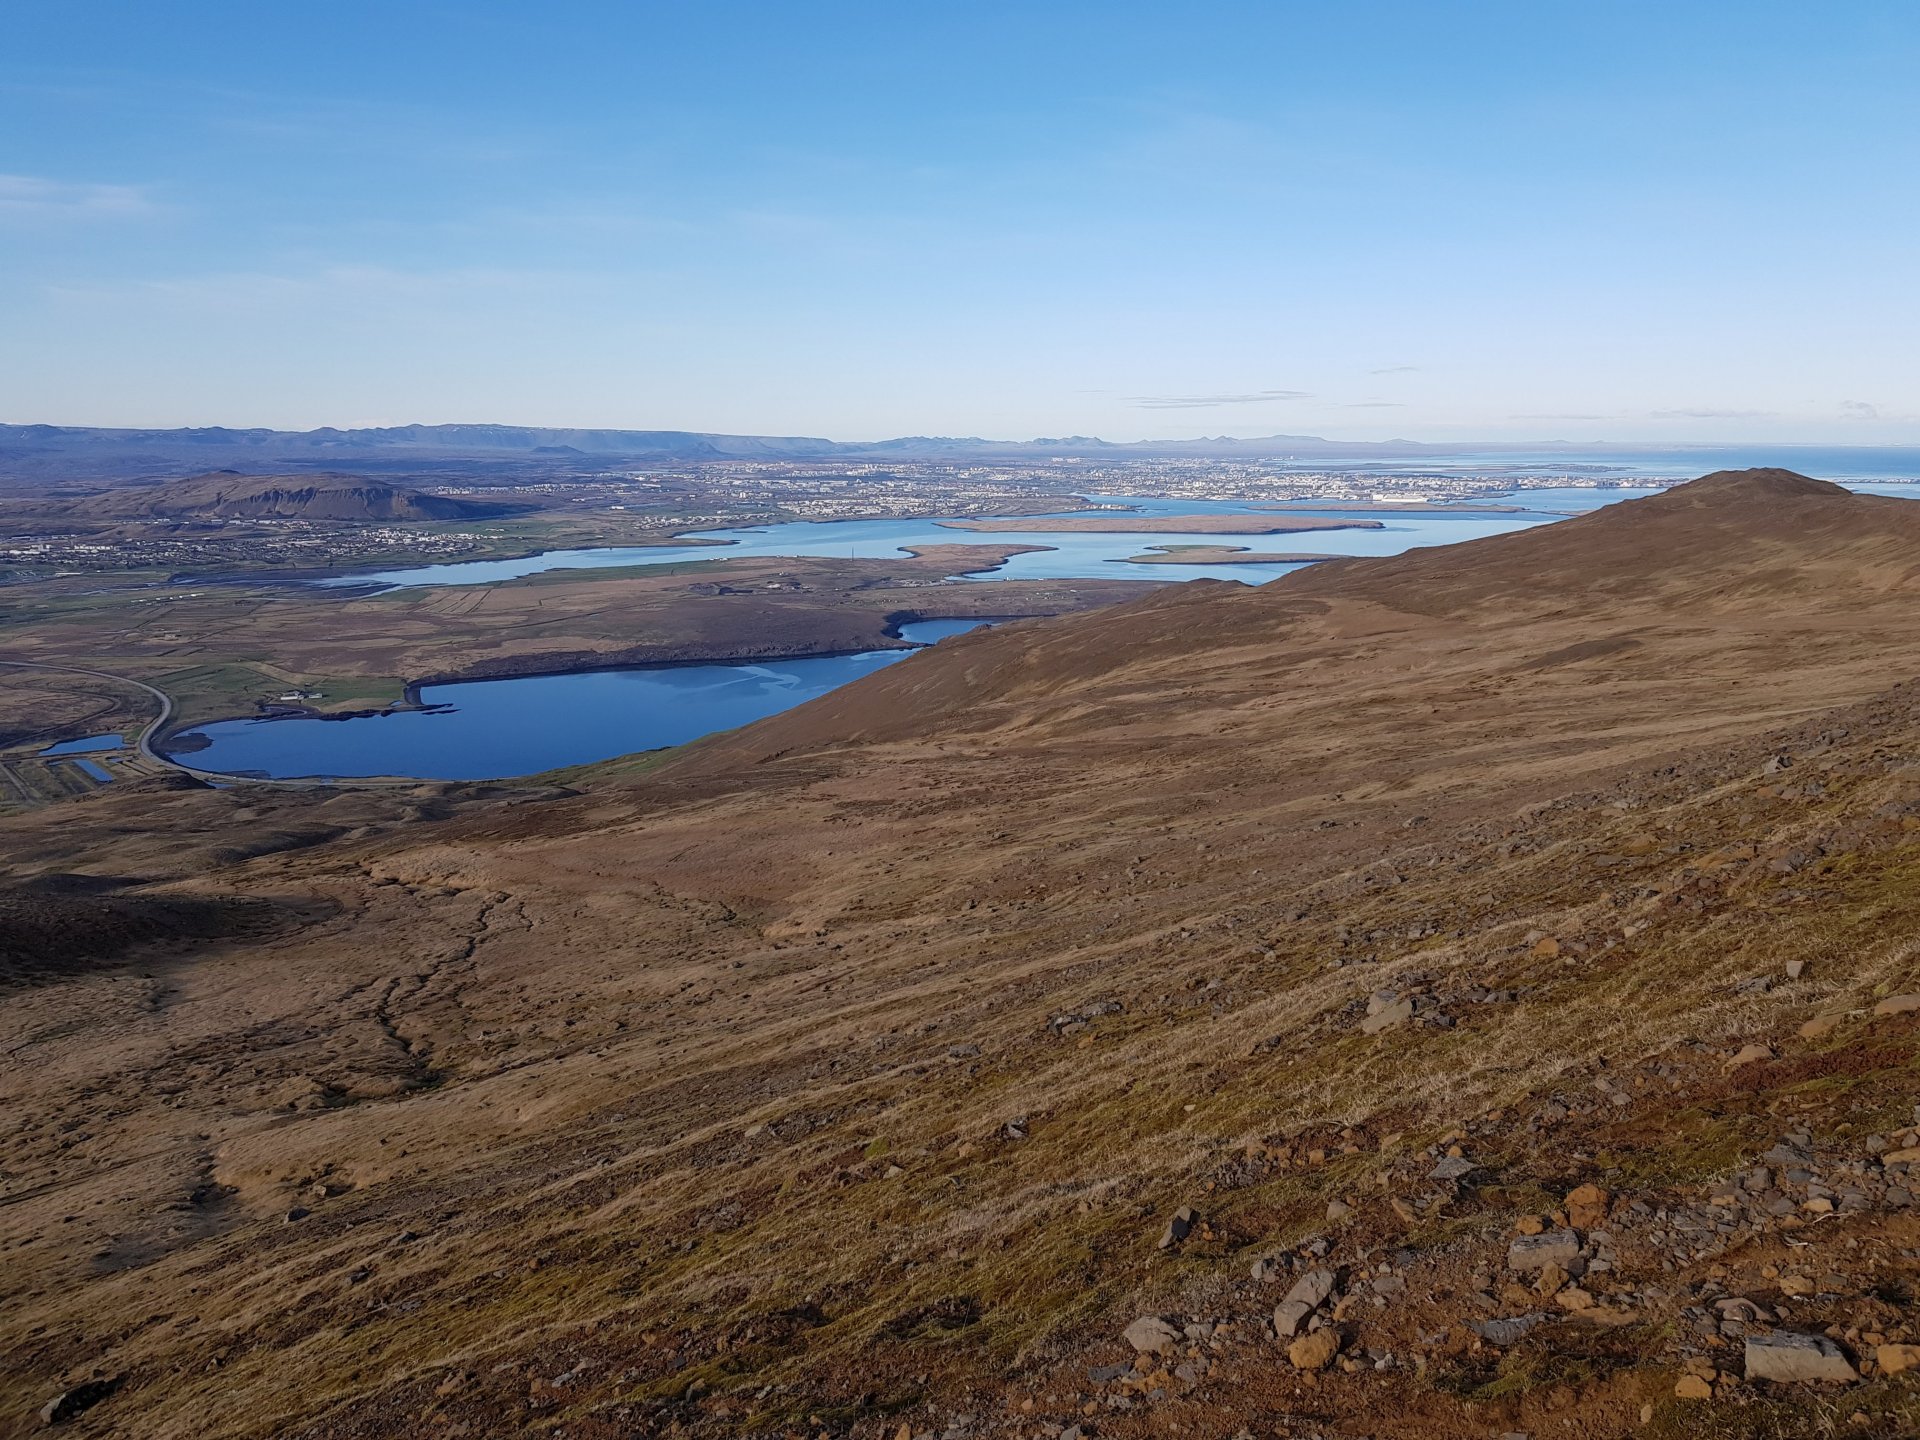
[[85, 745], [499, 728]]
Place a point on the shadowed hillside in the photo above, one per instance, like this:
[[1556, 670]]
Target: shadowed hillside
[[228, 496], [1443, 996]]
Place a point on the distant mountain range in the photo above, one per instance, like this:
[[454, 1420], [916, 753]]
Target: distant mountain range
[[87, 456], [77, 451]]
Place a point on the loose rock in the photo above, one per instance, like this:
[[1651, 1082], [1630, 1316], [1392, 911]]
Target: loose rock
[[1587, 1207], [1151, 1335], [1312, 1288], [1536, 1252], [1895, 1359], [1398, 1013], [1179, 1227], [1316, 1350], [70, 1403], [1288, 1317], [1794, 1358]]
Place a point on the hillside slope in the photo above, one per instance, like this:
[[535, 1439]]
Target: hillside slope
[[229, 496], [849, 1074]]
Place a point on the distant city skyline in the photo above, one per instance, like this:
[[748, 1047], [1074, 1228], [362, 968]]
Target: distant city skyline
[[1364, 221]]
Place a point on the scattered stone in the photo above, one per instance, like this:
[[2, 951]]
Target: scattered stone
[[1288, 1317], [1536, 1252], [1795, 969], [1508, 1331], [1452, 1167], [1587, 1207], [1788, 1154], [1313, 1288], [1338, 1210], [69, 1403], [1692, 1387], [1315, 1351], [1398, 1013], [1151, 1335], [1795, 1358], [1750, 1055], [1896, 1359], [1179, 1227]]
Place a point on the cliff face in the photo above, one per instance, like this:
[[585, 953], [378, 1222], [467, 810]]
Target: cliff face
[[1501, 943]]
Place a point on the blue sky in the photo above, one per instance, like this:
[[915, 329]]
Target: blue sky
[[998, 217]]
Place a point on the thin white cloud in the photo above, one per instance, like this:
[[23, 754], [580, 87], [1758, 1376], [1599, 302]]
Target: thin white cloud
[[1570, 415], [32, 197], [1712, 414], [1204, 402]]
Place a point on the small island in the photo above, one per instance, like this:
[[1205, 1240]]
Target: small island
[[1219, 555], [1164, 524]]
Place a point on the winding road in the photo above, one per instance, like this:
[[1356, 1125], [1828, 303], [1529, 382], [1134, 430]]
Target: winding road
[[144, 744]]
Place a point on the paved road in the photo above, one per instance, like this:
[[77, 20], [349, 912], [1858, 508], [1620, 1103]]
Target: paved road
[[144, 744]]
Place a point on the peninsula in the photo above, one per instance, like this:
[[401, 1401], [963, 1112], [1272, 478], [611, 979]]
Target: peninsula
[[1111, 524], [1219, 555]]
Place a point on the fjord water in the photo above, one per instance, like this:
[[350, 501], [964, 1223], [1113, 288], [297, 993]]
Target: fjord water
[[1059, 556], [498, 728]]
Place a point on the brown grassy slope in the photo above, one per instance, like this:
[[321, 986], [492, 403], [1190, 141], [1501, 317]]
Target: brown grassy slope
[[839, 1074], [1738, 561]]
